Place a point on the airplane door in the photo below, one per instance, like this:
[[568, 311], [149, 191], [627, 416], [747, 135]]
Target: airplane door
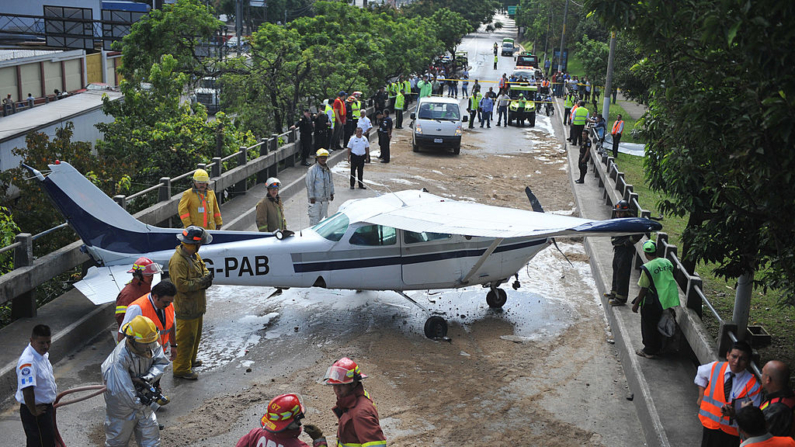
[[430, 259]]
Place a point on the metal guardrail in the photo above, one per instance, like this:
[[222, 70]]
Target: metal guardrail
[[617, 188], [18, 285]]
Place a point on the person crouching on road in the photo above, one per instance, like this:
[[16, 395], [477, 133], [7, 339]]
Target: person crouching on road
[[358, 154], [143, 270], [199, 205], [270, 210], [128, 373], [358, 417], [319, 188], [191, 277], [281, 425], [36, 389]]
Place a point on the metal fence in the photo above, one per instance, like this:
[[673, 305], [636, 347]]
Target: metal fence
[[229, 173], [692, 297]]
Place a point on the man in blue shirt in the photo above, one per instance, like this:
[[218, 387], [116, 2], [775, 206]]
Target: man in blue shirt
[[487, 107]]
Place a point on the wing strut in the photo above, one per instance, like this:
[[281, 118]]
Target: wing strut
[[482, 259]]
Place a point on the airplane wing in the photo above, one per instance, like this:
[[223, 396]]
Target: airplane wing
[[102, 284], [423, 212]]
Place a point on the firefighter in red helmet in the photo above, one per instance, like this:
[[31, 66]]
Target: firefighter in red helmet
[[281, 425], [143, 271], [358, 417]]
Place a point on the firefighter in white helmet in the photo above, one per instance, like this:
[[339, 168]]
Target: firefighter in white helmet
[[130, 398], [270, 210]]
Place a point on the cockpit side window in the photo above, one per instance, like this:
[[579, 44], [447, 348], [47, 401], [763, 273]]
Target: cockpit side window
[[410, 237], [374, 235]]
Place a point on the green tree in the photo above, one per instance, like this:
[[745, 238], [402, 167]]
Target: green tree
[[183, 30], [154, 134], [8, 230], [628, 68], [720, 144], [476, 12], [450, 27], [32, 209]]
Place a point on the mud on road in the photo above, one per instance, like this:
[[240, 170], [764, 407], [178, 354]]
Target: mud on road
[[553, 381]]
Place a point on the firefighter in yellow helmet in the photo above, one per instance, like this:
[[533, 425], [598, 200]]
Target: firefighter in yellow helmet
[[199, 205], [130, 398], [319, 187]]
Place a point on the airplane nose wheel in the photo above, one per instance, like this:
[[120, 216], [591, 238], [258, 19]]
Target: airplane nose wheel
[[496, 298], [435, 327]]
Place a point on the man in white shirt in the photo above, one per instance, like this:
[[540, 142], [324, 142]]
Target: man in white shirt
[[358, 153], [36, 390], [724, 387], [364, 122]]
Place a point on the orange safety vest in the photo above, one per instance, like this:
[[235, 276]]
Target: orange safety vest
[[618, 127], [714, 398], [148, 310], [502, 82]]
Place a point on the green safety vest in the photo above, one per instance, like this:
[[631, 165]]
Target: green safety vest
[[660, 271], [406, 87], [333, 114], [393, 89], [474, 101], [399, 99], [569, 102], [580, 115], [355, 107]]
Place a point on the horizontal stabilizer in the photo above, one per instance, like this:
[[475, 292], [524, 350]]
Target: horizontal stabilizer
[[102, 284]]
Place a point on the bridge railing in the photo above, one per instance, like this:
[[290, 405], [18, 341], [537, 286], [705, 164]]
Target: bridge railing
[[691, 294], [18, 286]]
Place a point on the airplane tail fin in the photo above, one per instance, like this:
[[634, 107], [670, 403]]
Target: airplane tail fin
[[111, 234]]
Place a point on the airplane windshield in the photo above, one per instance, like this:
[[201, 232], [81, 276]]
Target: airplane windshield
[[333, 228]]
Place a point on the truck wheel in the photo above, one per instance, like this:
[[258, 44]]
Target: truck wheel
[[457, 150], [414, 147], [532, 120]]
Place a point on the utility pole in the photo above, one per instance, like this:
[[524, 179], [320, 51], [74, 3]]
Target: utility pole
[[742, 303], [609, 77], [563, 35], [239, 22]]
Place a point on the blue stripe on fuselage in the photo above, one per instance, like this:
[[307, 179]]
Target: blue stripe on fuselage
[[404, 260], [96, 233]]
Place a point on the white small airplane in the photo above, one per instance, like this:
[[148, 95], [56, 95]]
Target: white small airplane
[[409, 240]]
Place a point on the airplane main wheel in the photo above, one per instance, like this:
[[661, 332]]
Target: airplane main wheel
[[496, 300], [435, 327]]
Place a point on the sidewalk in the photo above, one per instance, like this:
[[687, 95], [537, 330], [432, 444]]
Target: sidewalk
[[662, 388]]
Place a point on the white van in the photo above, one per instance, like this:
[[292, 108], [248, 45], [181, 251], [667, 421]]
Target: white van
[[437, 124]]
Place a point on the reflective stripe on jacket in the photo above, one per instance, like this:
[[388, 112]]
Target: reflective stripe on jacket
[[131, 292], [199, 209], [148, 310], [618, 127], [714, 398], [359, 425]]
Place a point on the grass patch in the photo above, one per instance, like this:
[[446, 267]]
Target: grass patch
[[765, 310]]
